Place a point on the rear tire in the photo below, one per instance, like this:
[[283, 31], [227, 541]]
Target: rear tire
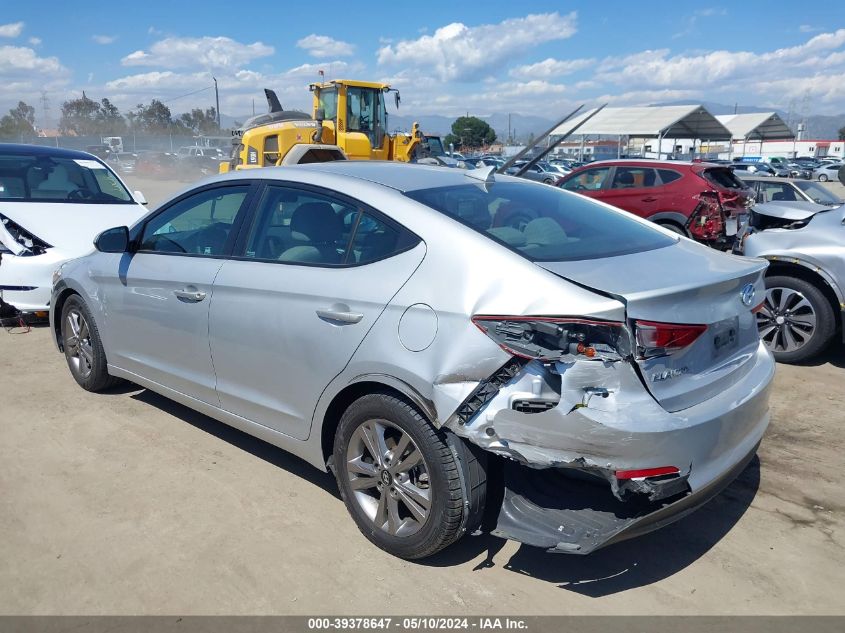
[[83, 347], [822, 177], [807, 322], [386, 497], [673, 227]]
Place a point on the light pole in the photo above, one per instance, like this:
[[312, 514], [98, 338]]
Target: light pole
[[217, 103]]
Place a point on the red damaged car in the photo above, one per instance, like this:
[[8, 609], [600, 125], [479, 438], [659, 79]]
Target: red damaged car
[[703, 201]]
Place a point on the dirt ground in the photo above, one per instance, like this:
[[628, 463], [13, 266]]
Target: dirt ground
[[126, 503]]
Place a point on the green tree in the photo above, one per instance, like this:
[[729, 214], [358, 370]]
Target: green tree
[[842, 133], [80, 117], [201, 121], [18, 123], [110, 120], [470, 131], [154, 118]]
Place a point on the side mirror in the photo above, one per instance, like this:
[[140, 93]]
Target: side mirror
[[396, 99], [139, 197], [114, 240]]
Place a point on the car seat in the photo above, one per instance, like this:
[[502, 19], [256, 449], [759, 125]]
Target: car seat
[[317, 230], [57, 181]]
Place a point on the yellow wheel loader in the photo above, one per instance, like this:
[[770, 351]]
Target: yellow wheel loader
[[349, 121]]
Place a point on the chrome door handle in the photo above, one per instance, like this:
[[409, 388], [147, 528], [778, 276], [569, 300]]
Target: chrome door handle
[[194, 296], [343, 317]]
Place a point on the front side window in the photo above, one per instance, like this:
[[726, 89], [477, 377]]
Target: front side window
[[197, 225], [543, 223], [26, 178], [776, 191], [360, 109], [588, 180], [296, 226], [328, 102]]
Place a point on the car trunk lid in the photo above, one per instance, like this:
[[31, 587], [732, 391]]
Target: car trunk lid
[[685, 283]]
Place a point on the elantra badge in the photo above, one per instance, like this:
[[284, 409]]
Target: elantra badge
[[747, 294]]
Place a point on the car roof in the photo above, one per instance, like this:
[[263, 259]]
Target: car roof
[[648, 162], [393, 174], [42, 150]]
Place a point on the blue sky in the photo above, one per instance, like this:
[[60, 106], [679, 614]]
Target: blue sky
[[446, 57]]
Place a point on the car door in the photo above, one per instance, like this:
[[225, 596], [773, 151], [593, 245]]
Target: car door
[[632, 188], [157, 306], [311, 274]]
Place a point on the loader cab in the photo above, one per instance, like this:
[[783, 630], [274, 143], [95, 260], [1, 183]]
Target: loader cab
[[354, 117]]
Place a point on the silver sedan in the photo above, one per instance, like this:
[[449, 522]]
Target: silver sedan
[[453, 345]]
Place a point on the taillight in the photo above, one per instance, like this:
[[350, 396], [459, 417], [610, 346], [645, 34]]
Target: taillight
[[707, 222], [659, 339], [550, 339]]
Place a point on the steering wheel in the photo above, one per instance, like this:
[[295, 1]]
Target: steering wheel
[[80, 194], [163, 238]]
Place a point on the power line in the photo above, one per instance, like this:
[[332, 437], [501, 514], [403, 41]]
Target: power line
[[188, 94]]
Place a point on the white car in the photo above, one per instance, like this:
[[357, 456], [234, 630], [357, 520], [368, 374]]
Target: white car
[[829, 172], [53, 203]]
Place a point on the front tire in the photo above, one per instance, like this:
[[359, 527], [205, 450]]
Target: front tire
[[411, 489], [796, 321], [83, 347], [822, 177]]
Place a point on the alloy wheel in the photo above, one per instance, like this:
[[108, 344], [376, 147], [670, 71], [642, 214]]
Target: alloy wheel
[[787, 320], [389, 478], [80, 352]]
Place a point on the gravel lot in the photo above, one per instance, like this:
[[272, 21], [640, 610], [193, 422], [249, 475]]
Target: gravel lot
[[126, 503]]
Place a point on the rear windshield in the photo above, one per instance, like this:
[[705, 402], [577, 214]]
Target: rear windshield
[[817, 192], [723, 177], [26, 178], [541, 222]]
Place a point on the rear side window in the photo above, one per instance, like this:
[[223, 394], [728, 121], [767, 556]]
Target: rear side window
[[543, 223], [304, 227], [633, 178], [668, 175], [722, 177]]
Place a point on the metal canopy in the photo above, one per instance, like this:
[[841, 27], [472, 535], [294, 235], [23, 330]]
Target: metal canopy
[[686, 121], [761, 126]]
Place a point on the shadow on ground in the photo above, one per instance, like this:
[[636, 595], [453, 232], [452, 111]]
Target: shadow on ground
[[627, 565], [243, 441]]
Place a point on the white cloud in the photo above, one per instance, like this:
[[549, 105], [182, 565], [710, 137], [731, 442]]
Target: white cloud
[[198, 52], [34, 41], [24, 75], [11, 30], [458, 51], [104, 39], [325, 46], [807, 28], [551, 68], [720, 69]]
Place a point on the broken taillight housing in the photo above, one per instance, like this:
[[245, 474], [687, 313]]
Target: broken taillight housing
[[707, 222], [551, 339], [658, 339]]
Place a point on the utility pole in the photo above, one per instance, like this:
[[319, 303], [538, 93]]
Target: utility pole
[[45, 107], [217, 102]]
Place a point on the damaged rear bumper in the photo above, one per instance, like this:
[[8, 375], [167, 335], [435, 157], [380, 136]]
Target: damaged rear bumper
[[572, 516]]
